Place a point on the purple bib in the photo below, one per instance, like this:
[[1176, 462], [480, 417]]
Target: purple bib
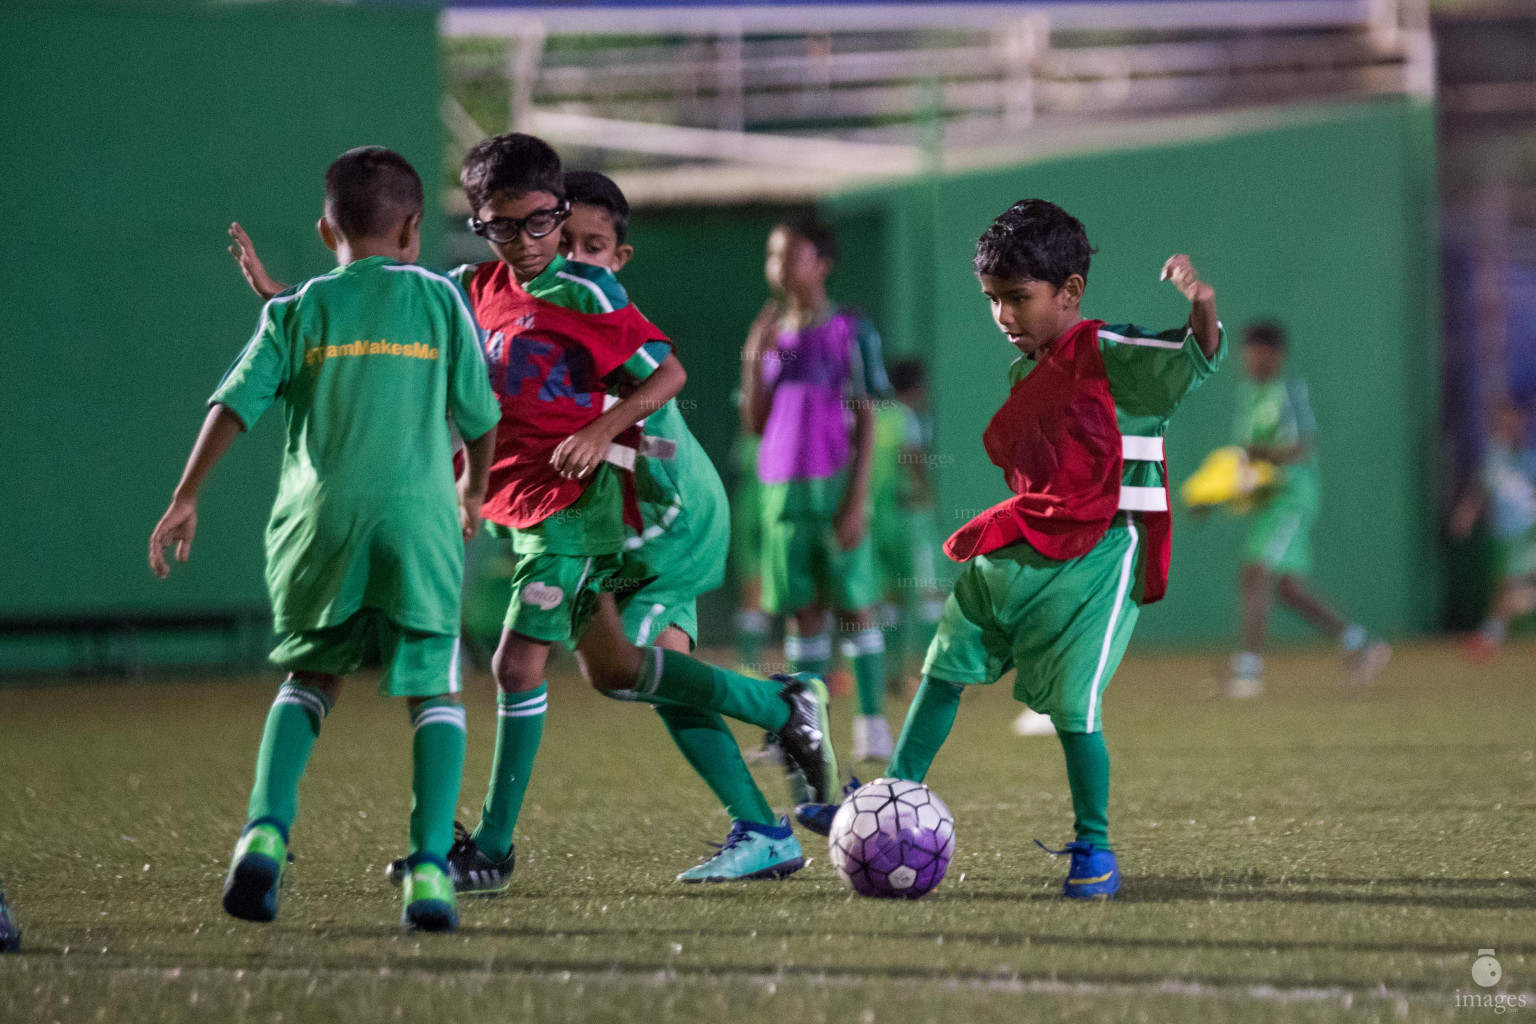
[[806, 436]]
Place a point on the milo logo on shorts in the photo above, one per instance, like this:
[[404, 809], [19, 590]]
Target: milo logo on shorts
[[542, 595]]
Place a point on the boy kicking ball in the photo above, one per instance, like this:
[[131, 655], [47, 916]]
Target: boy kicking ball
[[365, 550], [1055, 576]]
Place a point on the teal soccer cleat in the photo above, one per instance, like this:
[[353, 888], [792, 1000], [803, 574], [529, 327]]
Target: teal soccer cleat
[[751, 851], [1094, 872]]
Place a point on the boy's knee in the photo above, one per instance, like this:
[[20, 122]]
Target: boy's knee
[[326, 683], [512, 676], [613, 669]]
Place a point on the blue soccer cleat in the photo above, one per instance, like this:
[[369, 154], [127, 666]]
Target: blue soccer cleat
[[1094, 872], [818, 817], [10, 935], [255, 878], [751, 851]]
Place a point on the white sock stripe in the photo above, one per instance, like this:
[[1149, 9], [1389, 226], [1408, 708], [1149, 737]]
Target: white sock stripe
[[650, 672], [808, 648], [1127, 566], [866, 641], [522, 710], [448, 716], [290, 694]]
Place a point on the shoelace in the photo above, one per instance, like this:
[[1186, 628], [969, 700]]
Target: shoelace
[[734, 838], [1075, 849]]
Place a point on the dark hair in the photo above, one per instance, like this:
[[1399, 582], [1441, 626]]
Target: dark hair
[[1034, 240], [369, 190], [593, 188], [513, 163], [907, 375], [821, 235], [1270, 333]]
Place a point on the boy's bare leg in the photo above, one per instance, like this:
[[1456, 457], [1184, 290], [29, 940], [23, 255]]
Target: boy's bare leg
[[1294, 595], [1247, 676]]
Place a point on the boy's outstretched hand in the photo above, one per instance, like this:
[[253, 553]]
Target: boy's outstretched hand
[[251, 267], [1202, 299], [176, 527], [470, 502]]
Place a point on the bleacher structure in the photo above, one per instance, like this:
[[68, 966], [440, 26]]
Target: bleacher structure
[[722, 104]]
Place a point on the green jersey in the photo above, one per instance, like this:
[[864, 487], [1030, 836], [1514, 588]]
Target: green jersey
[[899, 435], [594, 523], [371, 360], [1278, 413], [683, 504]]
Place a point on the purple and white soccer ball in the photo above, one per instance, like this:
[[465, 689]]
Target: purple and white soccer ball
[[892, 838]]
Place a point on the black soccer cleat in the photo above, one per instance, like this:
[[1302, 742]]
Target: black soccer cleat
[[473, 873], [10, 935], [807, 737]]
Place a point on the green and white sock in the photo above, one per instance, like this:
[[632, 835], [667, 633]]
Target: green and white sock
[[437, 755], [706, 741], [752, 628], [866, 651], [929, 720], [808, 653], [1088, 776], [669, 677], [292, 727], [519, 729]]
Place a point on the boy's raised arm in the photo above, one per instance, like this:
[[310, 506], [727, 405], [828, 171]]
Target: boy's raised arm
[[179, 524], [251, 267], [1202, 300]]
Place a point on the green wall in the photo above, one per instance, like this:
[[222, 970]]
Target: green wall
[[1325, 223], [134, 133]]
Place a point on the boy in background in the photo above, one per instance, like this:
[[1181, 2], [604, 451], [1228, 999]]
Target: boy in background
[[808, 369], [365, 548], [1275, 423], [682, 542], [901, 520], [1505, 487], [1055, 577]]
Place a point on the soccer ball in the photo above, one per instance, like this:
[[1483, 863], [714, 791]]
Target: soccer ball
[[892, 838]]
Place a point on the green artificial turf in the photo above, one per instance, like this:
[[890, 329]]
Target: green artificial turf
[[1309, 855]]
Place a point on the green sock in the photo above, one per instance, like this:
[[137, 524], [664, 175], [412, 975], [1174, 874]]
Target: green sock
[[751, 631], [668, 677], [927, 727], [437, 753], [707, 743], [808, 653], [1088, 775], [293, 724], [866, 650], [519, 728]]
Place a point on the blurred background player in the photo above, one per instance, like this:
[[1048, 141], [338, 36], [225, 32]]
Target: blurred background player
[[682, 543], [10, 934], [753, 625], [365, 550], [1275, 424], [902, 523], [1505, 487], [810, 372]]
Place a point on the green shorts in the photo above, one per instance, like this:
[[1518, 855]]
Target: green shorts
[[1514, 557], [747, 527], [415, 664], [554, 596], [1063, 625], [803, 564], [1280, 537], [654, 607]]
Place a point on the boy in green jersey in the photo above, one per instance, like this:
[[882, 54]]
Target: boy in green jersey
[[901, 519], [682, 544], [1275, 423], [1055, 576], [810, 375], [365, 546]]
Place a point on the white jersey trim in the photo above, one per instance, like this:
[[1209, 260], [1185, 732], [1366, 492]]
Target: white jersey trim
[[602, 298], [1121, 339], [1143, 499], [1140, 448]]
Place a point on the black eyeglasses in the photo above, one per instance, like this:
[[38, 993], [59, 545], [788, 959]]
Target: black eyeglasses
[[537, 224]]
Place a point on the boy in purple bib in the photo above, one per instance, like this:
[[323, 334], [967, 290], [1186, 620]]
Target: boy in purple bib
[[811, 374]]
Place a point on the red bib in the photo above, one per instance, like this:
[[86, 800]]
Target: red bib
[[1058, 444], [547, 365]]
